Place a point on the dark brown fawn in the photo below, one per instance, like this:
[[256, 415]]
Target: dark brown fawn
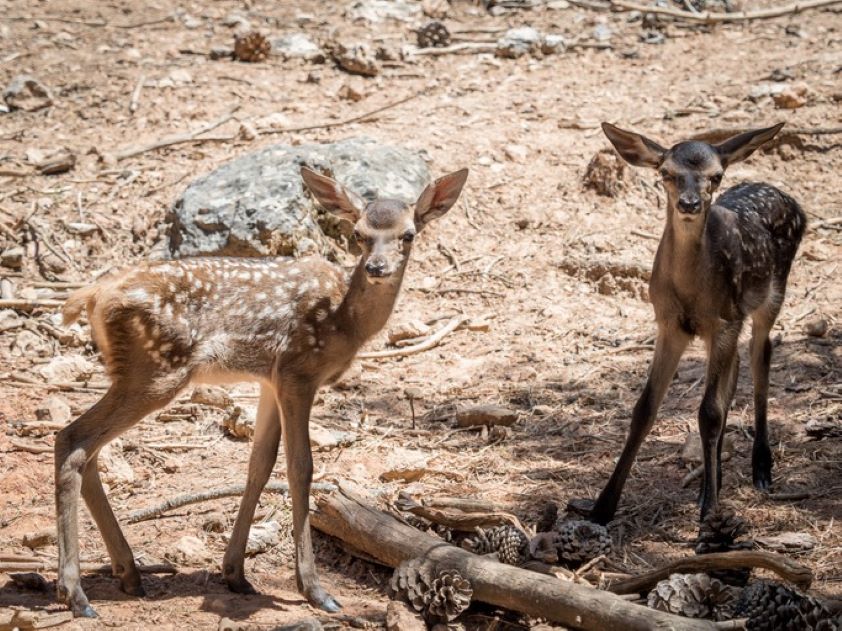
[[290, 325], [717, 263]]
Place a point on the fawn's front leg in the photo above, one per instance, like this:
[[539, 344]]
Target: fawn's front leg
[[669, 347], [296, 399], [264, 453]]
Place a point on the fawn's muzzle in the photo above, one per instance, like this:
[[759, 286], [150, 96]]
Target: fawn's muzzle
[[376, 269], [689, 204]]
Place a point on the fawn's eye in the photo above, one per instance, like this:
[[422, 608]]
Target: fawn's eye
[[668, 177], [716, 180], [408, 236]]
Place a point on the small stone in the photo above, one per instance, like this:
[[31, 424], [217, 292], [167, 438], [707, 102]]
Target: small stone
[[516, 153], [792, 97], [517, 42], [351, 91], [322, 439], [27, 93], [221, 52], [67, 368], [212, 396], [40, 538], [485, 415], [12, 257], [356, 59], [263, 537], [602, 32], [605, 173], [436, 9], [189, 550], [552, 44], [58, 161], [112, 465], [247, 131], [54, 408], [298, 46], [817, 328]]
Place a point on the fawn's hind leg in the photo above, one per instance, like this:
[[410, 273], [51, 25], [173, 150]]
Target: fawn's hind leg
[[761, 359], [76, 449]]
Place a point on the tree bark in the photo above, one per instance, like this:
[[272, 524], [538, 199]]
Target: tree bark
[[343, 515]]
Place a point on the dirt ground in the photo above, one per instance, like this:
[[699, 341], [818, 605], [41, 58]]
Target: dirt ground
[[558, 270]]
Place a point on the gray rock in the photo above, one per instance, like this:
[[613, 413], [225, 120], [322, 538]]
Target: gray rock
[[25, 92], [297, 46], [517, 42], [379, 10], [256, 205]]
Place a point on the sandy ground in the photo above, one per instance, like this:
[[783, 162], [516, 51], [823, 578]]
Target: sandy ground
[[567, 347]]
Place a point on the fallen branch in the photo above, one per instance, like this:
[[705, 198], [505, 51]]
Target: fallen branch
[[783, 566], [710, 17], [20, 445], [176, 139], [29, 305], [225, 491], [787, 133], [457, 519], [432, 341], [383, 537], [34, 564], [466, 47], [347, 121]]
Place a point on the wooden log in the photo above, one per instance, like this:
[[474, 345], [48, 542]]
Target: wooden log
[[345, 516]]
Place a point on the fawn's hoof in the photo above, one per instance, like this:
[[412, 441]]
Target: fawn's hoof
[[762, 480], [319, 598], [590, 510], [130, 584], [84, 611], [240, 586]]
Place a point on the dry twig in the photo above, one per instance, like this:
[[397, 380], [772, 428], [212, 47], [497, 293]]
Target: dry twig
[[204, 496], [710, 17], [427, 344]]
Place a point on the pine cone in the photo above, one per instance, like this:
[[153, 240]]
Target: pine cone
[[718, 532], [692, 596], [439, 597], [579, 541], [412, 582], [433, 35], [775, 607], [509, 543], [450, 596], [252, 47]]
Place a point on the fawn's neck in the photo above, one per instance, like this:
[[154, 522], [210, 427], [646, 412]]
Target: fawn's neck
[[367, 306], [683, 247]]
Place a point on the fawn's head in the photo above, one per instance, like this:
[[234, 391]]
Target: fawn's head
[[691, 170], [384, 229]]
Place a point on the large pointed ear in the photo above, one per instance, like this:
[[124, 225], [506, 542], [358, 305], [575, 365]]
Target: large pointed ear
[[332, 196], [741, 146], [634, 148], [438, 197]]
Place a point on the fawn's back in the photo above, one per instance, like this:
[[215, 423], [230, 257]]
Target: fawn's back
[[211, 319]]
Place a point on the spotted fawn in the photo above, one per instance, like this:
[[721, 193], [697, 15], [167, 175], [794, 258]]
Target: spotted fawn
[[717, 263], [290, 325]]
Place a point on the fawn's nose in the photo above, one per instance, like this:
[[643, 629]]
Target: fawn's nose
[[376, 268], [690, 204]]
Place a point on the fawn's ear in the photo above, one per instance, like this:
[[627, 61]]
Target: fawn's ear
[[438, 197], [332, 196], [741, 146], [634, 148]]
